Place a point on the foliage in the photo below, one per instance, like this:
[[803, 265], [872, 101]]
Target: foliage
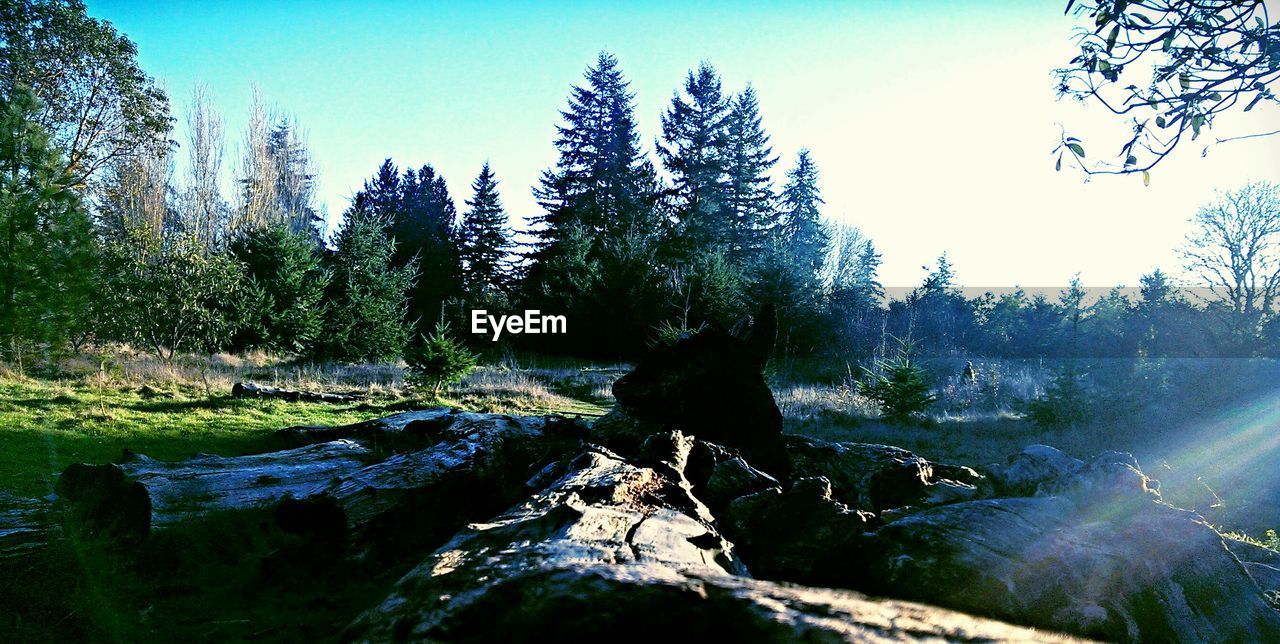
[[1170, 68], [366, 317], [439, 360], [419, 215], [286, 267], [695, 138], [97, 102], [484, 238], [46, 260], [1066, 402], [899, 385], [171, 297]]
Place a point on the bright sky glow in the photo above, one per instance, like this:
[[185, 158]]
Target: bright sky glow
[[931, 122]]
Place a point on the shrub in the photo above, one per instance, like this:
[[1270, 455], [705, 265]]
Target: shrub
[[1065, 402], [900, 386], [440, 360]]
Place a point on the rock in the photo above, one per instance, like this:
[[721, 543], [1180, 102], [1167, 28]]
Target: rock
[[880, 477], [1095, 554], [1034, 465], [711, 386], [613, 551], [802, 535]]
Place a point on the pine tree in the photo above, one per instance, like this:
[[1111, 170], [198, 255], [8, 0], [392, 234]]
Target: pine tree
[[285, 265], [416, 210], [602, 183], [366, 317], [595, 243], [802, 225], [46, 260], [694, 149], [748, 163], [484, 238]]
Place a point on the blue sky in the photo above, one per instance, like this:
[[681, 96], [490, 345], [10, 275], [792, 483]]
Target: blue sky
[[931, 121]]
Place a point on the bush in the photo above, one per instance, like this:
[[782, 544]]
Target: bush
[[440, 360], [1066, 402], [900, 386]]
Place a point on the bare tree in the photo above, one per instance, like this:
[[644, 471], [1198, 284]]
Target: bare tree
[[277, 174], [136, 195], [257, 185], [1235, 248], [206, 216], [1169, 67]]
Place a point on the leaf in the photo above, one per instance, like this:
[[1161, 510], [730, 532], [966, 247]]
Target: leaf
[[1146, 178], [1160, 121], [1253, 102], [1058, 166], [1131, 160], [1077, 149], [1111, 38], [1184, 79]]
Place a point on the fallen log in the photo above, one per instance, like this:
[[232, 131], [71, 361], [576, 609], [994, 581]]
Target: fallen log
[[613, 551], [138, 493], [24, 527], [251, 390], [397, 432]]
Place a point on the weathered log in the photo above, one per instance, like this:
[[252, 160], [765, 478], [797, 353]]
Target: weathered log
[[397, 432], [24, 526], [251, 390], [478, 464], [613, 551], [140, 492]]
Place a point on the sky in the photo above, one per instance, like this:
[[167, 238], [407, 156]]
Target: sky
[[931, 122]]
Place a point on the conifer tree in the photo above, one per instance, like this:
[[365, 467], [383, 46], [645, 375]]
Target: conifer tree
[[484, 238], [749, 161], [285, 266], [366, 316], [46, 262], [802, 225], [694, 149]]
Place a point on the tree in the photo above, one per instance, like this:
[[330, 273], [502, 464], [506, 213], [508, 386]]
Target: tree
[[136, 197], [46, 258], [484, 238], [600, 225], [694, 149], [277, 176], [1071, 303], [423, 228], [601, 183], [853, 289], [170, 296], [365, 320], [440, 360], [97, 103], [286, 267], [205, 214], [1235, 249], [749, 188], [1170, 68], [806, 233]]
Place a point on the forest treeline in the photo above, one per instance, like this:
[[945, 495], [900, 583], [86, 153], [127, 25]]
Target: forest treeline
[[103, 241]]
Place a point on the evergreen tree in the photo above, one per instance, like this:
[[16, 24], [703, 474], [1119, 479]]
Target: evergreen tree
[[365, 320], [46, 260], [802, 225], [599, 225], [749, 189], [286, 267], [602, 183], [484, 238], [695, 150], [418, 213]]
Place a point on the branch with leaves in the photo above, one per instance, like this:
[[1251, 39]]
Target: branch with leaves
[[1170, 68]]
